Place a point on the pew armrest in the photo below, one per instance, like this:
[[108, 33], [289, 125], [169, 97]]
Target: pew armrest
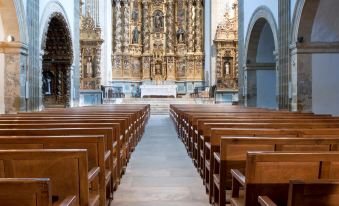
[[237, 175], [238, 181], [217, 157], [94, 172], [68, 201], [265, 201]]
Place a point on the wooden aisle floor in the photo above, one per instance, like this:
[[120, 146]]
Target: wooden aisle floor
[[160, 173]]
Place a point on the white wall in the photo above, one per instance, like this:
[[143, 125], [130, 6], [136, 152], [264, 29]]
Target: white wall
[[325, 84], [266, 81], [251, 5], [106, 25], [326, 24]]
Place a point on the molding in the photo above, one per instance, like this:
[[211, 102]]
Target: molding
[[13, 48]]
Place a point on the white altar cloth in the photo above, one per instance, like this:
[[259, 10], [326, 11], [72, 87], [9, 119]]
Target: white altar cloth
[[158, 90]]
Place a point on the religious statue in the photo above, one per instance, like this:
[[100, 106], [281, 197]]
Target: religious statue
[[89, 67], [158, 69], [227, 68], [47, 81], [135, 39], [135, 14], [180, 35], [158, 20]]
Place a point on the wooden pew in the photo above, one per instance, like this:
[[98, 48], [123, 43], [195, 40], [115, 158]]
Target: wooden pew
[[309, 193], [269, 173], [233, 151], [53, 164], [93, 144], [106, 132], [29, 192]]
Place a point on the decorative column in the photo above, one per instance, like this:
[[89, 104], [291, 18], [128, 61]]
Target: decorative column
[[117, 59], [59, 88], [170, 59], [118, 25], [126, 57], [97, 72], [198, 27], [146, 59], [170, 25], [68, 82], [199, 70], [126, 10], [190, 27]]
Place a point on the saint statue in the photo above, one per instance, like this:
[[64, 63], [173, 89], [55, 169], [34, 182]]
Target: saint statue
[[135, 15], [227, 68], [135, 39], [158, 69], [47, 81], [180, 35], [158, 20], [89, 68]]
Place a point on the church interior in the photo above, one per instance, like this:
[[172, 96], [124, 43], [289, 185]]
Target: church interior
[[169, 102]]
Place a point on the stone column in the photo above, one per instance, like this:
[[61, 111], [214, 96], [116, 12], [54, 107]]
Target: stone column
[[190, 38], [14, 65], [242, 60], [198, 27], [118, 25], [208, 40], [170, 26], [283, 68]]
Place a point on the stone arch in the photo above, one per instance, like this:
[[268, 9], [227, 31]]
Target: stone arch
[[57, 47], [314, 54], [261, 16], [260, 57]]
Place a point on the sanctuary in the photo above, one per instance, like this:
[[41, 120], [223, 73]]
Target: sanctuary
[[158, 42]]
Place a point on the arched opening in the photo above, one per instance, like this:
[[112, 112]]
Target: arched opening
[[261, 66], [318, 38], [56, 64]]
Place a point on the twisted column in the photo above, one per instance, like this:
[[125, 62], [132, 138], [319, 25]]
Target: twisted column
[[126, 26], [170, 20], [198, 27], [118, 25], [190, 26], [145, 30]]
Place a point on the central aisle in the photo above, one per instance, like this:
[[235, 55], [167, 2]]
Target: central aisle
[[160, 173]]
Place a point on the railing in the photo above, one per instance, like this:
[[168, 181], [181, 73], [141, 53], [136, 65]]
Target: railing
[[112, 92]]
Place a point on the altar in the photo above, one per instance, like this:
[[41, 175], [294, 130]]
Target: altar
[[159, 90]]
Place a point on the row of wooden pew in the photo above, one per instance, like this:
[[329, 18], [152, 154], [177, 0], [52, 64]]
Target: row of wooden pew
[[251, 156], [66, 157]]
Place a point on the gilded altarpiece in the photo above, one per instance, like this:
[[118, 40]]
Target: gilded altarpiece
[[90, 42], [159, 40], [226, 42]]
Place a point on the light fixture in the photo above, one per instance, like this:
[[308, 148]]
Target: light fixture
[[10, 38]]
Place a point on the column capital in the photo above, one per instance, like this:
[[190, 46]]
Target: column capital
[[145, 2]]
